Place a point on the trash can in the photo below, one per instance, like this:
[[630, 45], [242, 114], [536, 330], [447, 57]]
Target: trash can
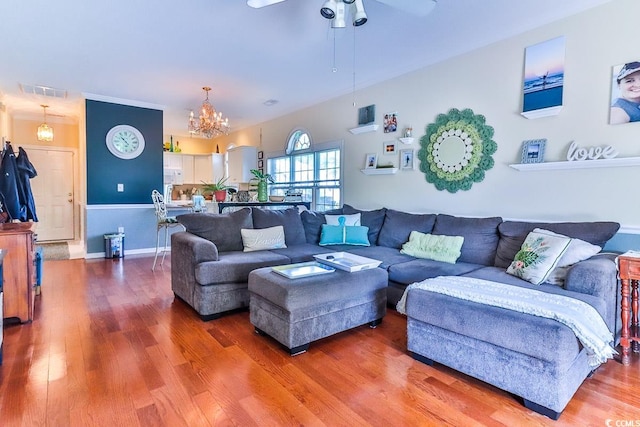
[[114, 245]]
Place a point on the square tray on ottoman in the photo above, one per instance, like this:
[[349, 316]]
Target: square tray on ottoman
[[298, 311]]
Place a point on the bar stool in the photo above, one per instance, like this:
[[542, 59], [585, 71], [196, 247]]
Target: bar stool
[[163, 222]]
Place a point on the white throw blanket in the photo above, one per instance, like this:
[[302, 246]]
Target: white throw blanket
[[582, 318]]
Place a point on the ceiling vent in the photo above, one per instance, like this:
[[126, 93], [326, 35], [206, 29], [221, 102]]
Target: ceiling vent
[[43, 91]]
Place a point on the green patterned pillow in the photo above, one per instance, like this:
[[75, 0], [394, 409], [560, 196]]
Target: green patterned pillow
[[538, 256], [432, 246]]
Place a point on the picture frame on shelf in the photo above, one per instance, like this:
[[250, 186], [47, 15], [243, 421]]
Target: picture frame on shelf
[[389, 147], [533, 150], [406, 159], [366, 115], [371, 161]]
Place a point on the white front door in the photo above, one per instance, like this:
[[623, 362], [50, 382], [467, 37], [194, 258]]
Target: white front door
[[53, 192]]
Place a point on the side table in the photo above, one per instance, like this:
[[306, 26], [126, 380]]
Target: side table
[[629, 270]]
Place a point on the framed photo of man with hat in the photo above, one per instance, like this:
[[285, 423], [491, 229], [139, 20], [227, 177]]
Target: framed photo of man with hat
[[625, 93]]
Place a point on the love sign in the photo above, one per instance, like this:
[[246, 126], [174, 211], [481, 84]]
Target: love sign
[[592, 153]]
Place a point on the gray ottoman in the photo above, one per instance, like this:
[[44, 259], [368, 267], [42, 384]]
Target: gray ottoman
[[298, 311]]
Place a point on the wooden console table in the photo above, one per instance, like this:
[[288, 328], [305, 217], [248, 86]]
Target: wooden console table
[[18, 239], [629, 270], [222, 205]]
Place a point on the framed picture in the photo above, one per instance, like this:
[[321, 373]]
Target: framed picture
[[371, 161], [533, 150], [390, 122], [389, 147], [366, 115], [260, 164], [624, 96], [260, 154], [406, 159]]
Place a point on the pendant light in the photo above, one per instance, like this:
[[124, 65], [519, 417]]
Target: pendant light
[[45, 133]]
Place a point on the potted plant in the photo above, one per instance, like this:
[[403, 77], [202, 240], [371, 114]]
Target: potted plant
[[263, 179], [219, 189]]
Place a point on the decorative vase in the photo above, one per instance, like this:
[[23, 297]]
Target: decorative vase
[[220, 195], [262, 191]]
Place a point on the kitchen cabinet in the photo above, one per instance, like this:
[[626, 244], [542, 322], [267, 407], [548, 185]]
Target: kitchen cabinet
[[240, 161], [193, 169], [18, 239]]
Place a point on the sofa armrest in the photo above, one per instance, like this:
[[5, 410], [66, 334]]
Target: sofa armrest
[[195, 247], [598, 276], [187, 251]]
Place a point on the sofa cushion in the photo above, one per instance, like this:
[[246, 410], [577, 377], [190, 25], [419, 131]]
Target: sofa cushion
[[288, 218], [435, 247], [388, 256], [260, 239], [303, 253], [235, 266], [312, 222], [538, 256], [513, 233], [221, 229], [480, 236], [372, 219], [419, 269], [397, 227]]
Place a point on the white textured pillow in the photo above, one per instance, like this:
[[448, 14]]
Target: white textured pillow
[[538, 256], [260, 239], [353, 219], [578, 250]]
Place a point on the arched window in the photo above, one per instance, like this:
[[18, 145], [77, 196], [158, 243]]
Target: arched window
[[299, 139]]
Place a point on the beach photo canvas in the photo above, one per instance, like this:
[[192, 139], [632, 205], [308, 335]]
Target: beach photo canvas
[[544, 78]]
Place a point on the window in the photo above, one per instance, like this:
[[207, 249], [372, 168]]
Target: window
[[314, 174]]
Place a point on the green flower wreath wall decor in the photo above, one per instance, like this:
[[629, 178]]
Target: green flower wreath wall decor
[[457, 150]]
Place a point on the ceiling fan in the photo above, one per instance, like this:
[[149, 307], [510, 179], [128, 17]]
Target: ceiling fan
[[336, 9]]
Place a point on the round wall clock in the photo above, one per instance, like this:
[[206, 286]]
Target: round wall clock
[[125, 142]]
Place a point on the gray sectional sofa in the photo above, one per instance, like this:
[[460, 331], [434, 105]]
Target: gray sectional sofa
[[537, 359]]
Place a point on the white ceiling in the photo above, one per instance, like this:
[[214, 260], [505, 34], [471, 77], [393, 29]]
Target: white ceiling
[[162, 52]]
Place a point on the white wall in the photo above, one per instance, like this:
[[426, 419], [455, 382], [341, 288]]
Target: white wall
[[489, 82]]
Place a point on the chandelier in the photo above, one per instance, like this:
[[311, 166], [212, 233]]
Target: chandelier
[[45, 133], [210, 123]]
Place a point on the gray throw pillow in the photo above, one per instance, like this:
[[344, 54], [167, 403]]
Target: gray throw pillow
[[480, 236], [288, 218], [372, 219], [398, 226], [513, 233], [221, 229]]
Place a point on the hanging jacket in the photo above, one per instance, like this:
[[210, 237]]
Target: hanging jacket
[[9, 186], [26, 171]]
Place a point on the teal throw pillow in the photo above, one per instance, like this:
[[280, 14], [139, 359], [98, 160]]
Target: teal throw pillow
[[432, 246], [344, 235]]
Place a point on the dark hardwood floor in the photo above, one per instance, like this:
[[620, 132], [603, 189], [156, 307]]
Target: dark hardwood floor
[[109, 346]]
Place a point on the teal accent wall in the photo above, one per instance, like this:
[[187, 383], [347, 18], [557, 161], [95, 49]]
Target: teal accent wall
[[105, 171]]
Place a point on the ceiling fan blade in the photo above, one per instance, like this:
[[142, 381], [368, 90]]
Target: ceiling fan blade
[[256, 4], [415, 7]]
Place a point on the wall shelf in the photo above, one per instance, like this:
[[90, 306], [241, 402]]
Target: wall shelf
[[364, 129], [379, 171], [577, 164], [406, 140]]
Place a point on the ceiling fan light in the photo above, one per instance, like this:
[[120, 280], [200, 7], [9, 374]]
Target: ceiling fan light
[[328, 9], [341, 13], [348, 1], [358, 14]]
